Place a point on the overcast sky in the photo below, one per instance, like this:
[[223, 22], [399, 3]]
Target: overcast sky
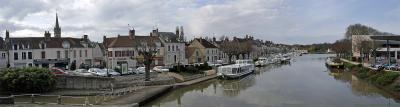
[[282, 21]]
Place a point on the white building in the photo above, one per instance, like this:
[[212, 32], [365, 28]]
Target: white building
[[3, 54], [49, 51], [174, 47]]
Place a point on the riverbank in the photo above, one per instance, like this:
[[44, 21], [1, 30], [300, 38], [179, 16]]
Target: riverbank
[[152, 92], [386, 80]]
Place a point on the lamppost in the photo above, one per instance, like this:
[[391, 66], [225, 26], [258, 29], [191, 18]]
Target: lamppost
[[106, 56]]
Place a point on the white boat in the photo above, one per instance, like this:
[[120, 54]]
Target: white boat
[[239, 69], [261, 62], [334, 63], [285, 58]]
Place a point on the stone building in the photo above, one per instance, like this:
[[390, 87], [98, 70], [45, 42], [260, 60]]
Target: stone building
[[122, 50], [200, 50]]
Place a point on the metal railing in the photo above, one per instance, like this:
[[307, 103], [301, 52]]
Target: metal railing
[[76, 100]]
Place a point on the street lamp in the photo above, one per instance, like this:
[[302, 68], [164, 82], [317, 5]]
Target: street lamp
[[106, 56]]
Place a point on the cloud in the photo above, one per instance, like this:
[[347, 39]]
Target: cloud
[[282, 21]]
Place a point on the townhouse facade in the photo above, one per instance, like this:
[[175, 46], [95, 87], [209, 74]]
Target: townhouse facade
[[201, 50], [48, 51], [175, 47], [123, 51]]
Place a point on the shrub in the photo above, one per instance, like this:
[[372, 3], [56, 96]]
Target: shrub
[[348, 65], [27, 80], [362, 73], [396, 87], [386, 78]]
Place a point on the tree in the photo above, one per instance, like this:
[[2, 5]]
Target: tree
[[359, 29], [148, 50]]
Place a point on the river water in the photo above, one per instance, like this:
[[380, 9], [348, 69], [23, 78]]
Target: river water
[[306, 82]]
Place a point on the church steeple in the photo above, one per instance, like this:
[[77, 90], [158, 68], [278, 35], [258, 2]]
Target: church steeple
[[57, 29]]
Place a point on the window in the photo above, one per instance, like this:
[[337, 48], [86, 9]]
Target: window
[[74, 53], [43, 54], [85, 53], [123, 53], [29, 55], [173, 48], [177, 48], [27, 46], [110, 54], [3, 55], [15, 47], [169, 48], [80, 53], [23, 55], [58, 54], [175, 58], [117, 53], [15, 55], [66, 54]]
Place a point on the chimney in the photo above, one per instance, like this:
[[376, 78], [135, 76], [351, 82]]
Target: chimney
[[132, 34], [154, 33], [104, 41], [85, 38], [47, 35], [7, 36], [214, 39], [177, 31]]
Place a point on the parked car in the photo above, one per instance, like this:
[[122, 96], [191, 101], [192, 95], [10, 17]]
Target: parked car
[[98, 72], [131, 71], [81, 72], [160, 69], [58, 71], [214, 64], [141, 70], [112, 72], [391, 66]]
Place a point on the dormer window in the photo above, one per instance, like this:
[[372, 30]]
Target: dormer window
[[15, 47], [26, 46], [66, 45], [42, 45]]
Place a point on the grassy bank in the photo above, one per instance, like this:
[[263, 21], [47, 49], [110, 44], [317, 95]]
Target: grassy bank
[[389, 81]]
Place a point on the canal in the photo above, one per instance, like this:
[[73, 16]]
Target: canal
[[306, 82]]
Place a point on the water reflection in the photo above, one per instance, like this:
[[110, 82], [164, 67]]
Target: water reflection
[[306, 82], [232, 88], [360, 87]]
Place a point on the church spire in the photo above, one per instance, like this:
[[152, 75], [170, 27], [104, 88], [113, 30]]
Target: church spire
[[57, 29]]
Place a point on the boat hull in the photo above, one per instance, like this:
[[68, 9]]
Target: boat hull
[[223, 76]]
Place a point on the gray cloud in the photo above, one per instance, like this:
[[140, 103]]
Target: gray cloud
[[282, 21]]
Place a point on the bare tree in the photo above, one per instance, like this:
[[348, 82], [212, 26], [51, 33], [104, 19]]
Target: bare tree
[[147, 50]]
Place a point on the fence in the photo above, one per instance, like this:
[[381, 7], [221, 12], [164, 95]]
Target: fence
[[75, 100]]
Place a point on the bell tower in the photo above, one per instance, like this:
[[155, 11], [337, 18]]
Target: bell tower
[[57, 29]]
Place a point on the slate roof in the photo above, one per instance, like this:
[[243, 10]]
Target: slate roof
[[126, 41], [168, 37], [34, 42], [205, 43]]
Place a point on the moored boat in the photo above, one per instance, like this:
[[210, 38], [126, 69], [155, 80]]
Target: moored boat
[[334, 63], [261, 62], [239, 69]]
